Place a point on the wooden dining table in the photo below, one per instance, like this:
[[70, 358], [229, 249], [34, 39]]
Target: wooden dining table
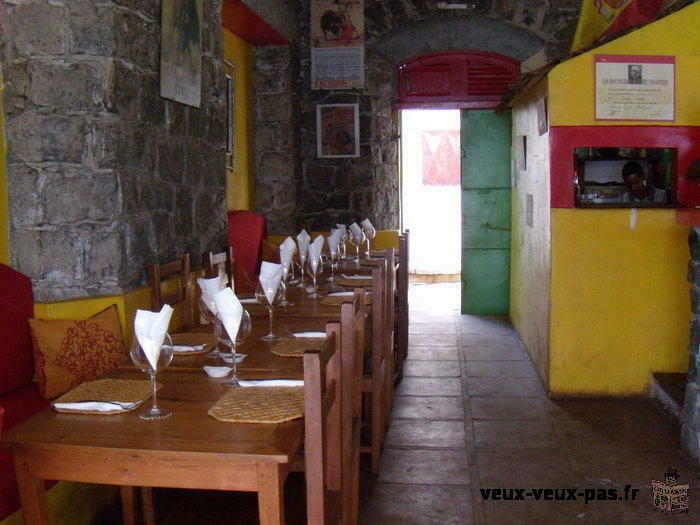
[[189, 449]]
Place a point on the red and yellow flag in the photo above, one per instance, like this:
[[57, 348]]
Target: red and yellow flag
[[603, 18]]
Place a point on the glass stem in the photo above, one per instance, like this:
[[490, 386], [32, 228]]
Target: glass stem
[[154, 407], [269, 309], [315, 285], [234, 348]]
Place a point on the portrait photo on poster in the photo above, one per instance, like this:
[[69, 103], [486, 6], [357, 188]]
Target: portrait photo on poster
[[338, 130]]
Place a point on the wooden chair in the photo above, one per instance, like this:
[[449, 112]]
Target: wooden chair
[[402, 306], [215, 264], [353, 319], [157, 273]]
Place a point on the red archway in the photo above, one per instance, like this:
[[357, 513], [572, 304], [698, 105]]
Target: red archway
[[455, 80]]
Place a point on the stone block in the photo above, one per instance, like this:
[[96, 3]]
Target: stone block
[[81, 196], [104, 256], [37, 28], [92, 28], [184, 204], [25, 185], [148, 8], [271, 57], [273, 108], [284, 196], [274, 81], [276, 167], [128, 89], [690, 442], [46, 138], [68, 84], [138, 41], [691, 406], [171, 159]]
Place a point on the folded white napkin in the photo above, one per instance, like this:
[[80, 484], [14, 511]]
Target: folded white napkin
[[356, 276], [315, 252], [303, 239], [333, 240], [343, 229], [356, 231], [309, 334], [270, 277], [230, 311], [287, 249], [95, 406], [183, 349], [150, 329], [368, 228], [209, 287], [273, 382]]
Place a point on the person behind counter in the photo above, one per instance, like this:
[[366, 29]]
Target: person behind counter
[[639, 190]]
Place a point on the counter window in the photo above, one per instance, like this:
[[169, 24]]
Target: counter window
[[624, 177]]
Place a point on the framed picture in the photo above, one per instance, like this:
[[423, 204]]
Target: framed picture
[[181, 51], [230, 71], [338, 130]]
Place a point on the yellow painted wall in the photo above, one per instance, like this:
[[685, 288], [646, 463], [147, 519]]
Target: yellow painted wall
[[620, 303], [571, 85], [4, 212], [240, 182]]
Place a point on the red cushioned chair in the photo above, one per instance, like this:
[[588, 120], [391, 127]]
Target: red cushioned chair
[[19, 396], [246, 231]]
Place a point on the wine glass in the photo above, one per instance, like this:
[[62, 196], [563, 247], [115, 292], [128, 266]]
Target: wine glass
[[302, 265], [370, 233], [315, 269], [243, 332], [277, 297], [287, 280], [342, 245], [139, 358], [333, 257], [206, 310], [356, 239]]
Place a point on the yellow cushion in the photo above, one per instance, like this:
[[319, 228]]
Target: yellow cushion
[[68, 353]]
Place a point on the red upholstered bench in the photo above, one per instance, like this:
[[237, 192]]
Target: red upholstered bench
[[19, 396]]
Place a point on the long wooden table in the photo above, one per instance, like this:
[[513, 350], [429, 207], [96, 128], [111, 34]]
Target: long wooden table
[[190, 449]]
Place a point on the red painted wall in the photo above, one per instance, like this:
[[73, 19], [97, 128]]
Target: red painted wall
[[563, 140]]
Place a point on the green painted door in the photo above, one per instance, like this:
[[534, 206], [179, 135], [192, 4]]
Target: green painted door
[[485, 212]]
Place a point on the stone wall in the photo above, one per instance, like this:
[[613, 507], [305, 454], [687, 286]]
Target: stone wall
[[276, 137], [690, 416], [105, 176]]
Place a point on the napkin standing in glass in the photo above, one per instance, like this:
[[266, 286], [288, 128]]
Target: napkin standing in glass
[[235, 321], [333, 244], [207, 307], [303, 240], [344, 238], [357, 237], [315, 264], [148, 352], [269, 293], [370, 233], [287, 249]]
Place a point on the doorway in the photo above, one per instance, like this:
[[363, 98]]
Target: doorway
[[431, 196]]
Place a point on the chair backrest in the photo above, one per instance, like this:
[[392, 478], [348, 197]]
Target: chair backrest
[[16, 308], [182, 296], [322, 425], [215, 264], [246, 230], [353, 319]]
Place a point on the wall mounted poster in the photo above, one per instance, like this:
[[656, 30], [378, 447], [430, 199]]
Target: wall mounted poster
[[338, 130], [634, 87], [337, 44], [181, 51]]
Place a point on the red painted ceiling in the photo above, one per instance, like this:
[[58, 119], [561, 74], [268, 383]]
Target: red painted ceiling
[[245, 23]]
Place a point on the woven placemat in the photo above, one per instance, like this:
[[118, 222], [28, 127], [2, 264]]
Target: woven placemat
[[336, 300], [120, 390], [259, 404], [353, 283], [190, 339], [296, 346]]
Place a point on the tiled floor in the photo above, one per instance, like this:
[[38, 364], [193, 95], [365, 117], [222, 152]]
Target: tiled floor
[[471, 415]]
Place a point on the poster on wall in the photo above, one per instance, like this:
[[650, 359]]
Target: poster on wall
[[338, 130], [635, 87], [181, 51], [337, 44]]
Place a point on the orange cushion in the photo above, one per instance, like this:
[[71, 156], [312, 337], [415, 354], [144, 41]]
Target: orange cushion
[[68, 353]]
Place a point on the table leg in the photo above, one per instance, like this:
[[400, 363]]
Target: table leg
[[270, 493], [128, 505], [32, 494]]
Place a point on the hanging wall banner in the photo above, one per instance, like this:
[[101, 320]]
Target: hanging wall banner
[[634, 87], [337, 44], [601, 19]]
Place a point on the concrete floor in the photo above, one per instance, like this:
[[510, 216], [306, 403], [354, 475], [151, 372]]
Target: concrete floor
[[470, 414]]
